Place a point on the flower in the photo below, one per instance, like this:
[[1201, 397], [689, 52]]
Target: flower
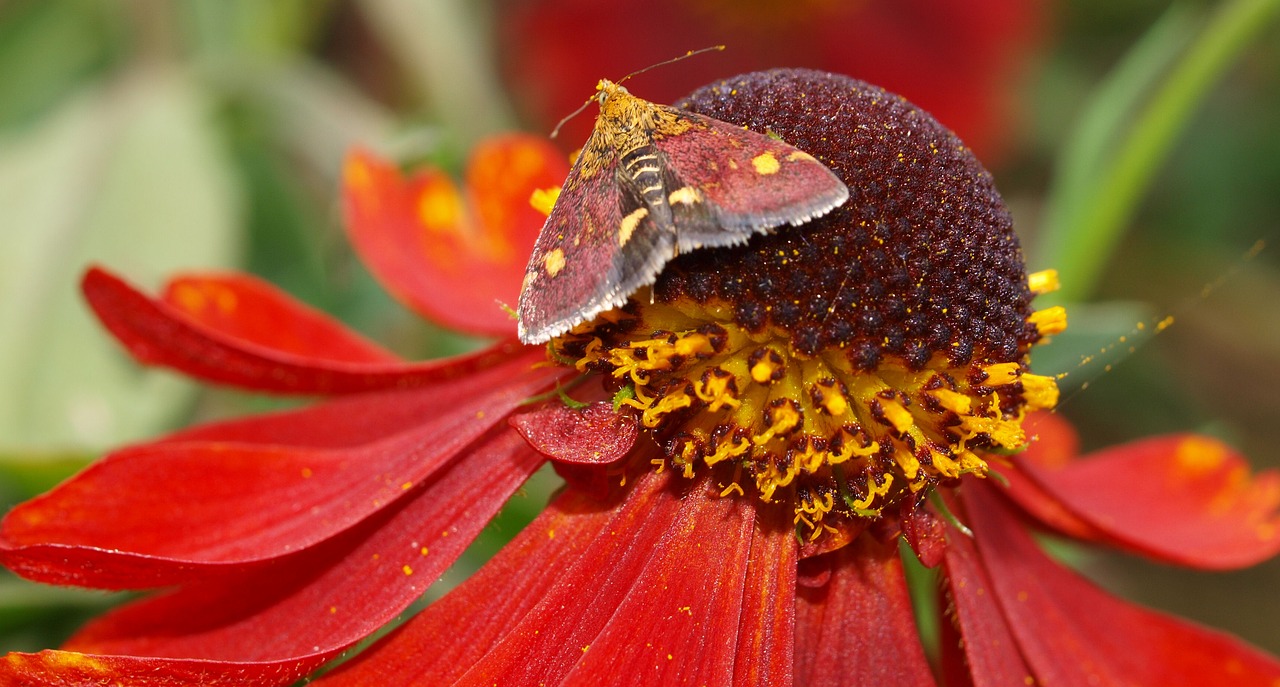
[[806, 402], [958, 60]]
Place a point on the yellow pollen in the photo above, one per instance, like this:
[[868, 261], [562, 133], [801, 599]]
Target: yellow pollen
[[1041, 392], [1050, 321], [1001, 374], [957, 403], [897, 416], [1042, 282]]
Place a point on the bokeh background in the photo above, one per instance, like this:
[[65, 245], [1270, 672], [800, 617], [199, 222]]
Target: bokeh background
[[1137, 143]]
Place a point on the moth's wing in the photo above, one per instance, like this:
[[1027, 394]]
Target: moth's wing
[[583, 262], [743, 181]]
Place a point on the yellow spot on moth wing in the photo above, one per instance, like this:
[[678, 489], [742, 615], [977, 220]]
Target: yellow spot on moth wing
[[687, 195], [629, 224], [554, 262], [800, 155], [765, 163]]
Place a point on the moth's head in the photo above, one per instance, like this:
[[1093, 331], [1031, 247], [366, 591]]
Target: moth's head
[[606, 89]]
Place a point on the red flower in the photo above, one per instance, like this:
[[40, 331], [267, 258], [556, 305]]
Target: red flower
[[683, 556], [958, 59]]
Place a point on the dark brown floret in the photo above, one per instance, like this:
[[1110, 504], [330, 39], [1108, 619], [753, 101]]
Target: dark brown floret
[[921, 260]]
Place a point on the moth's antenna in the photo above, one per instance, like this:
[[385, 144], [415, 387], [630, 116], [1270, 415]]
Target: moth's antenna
[[691, 53], [571, 115], [583, 106]]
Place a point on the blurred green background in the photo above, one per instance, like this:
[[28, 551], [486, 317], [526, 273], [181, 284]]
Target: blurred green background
[[1138, 144]]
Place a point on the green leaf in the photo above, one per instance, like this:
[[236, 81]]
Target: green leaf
[[129, 175], [1115, 153]]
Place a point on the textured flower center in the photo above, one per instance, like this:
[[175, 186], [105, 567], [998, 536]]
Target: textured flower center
[[848, 364], [812, 429]]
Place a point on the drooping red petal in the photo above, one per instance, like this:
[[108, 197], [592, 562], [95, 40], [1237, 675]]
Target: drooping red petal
[[271, 626], [595, 435], [592, 587], [454, 256], [1053, 442], [1072, 633], [249, 309], [766, 637], [684, 609], [1184, 499], [157, 333], [859, 627], [990, 652], [162, 513], [434, 647], [665, 578]]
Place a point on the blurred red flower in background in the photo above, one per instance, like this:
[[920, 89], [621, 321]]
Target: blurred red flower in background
[[957, 59], [289, 537]]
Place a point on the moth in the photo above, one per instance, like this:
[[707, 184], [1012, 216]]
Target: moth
[[652, 182]]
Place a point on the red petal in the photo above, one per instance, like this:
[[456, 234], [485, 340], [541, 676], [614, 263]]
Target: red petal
[[1053, 443], [1072, 633], [434, 648], [859, 626], [990, 652], [924, 532], [157, 333], [545, 644], [161, 513], [251, 310], [766, 636], [683, 611], [452, 258], [1184, 499], [595, 435], [308, 607], [51, 668]]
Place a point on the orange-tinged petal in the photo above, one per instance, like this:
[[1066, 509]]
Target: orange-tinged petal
[[158, 333], [858, 626], [254, 311], [1072, 633], [1184, 499], [453, 255]]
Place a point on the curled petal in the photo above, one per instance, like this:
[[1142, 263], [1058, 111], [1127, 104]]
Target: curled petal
[[283, 620], [158, 332], [1072, 633], [1184, 499], [859, 622], [595, 435], [161, 513], [454, 256]]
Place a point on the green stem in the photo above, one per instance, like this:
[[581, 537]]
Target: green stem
[[1089, 213]]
